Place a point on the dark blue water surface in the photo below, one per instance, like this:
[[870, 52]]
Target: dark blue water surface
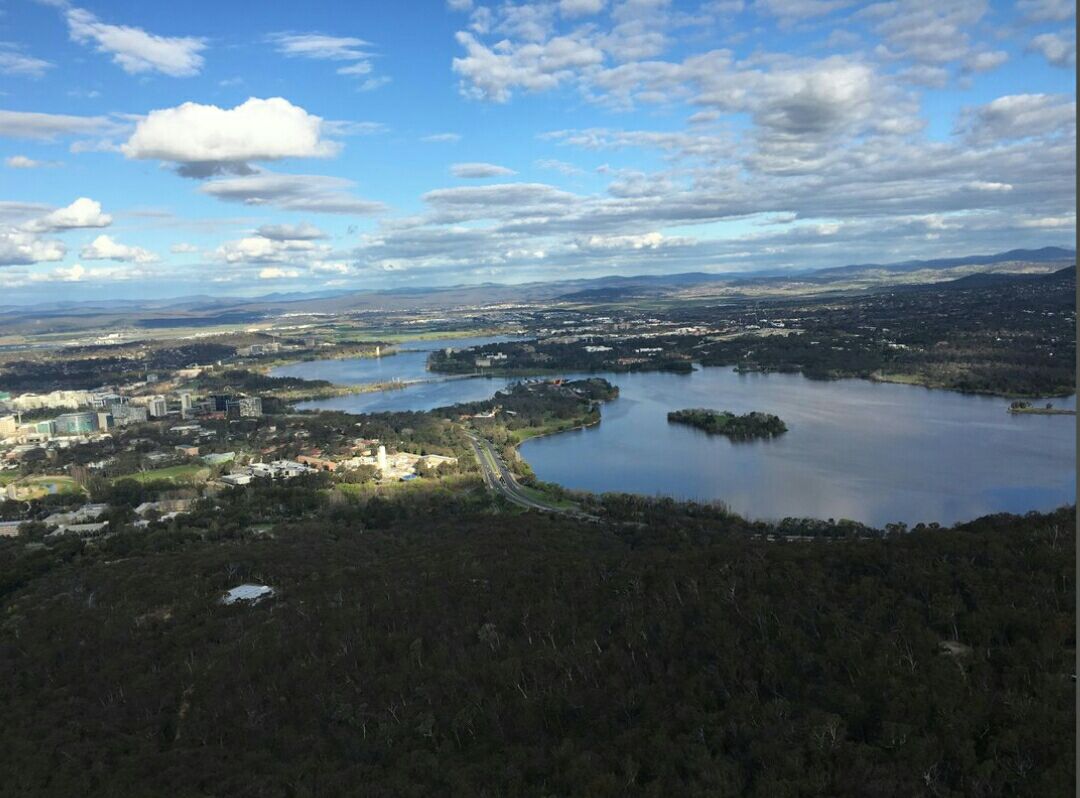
[[871, 452]]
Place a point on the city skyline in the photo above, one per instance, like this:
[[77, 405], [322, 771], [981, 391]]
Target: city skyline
[[424, 144]]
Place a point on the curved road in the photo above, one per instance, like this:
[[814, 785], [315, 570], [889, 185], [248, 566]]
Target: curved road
[[499, 479]]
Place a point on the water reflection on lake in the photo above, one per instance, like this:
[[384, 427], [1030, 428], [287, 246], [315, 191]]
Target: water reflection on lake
[[871, 452], [410, 363], [855, 449]]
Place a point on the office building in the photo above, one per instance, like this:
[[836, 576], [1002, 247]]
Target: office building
[[250, 407], [157, 407], [76, 423]]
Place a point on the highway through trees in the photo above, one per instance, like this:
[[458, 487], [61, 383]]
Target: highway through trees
[[499, 479]]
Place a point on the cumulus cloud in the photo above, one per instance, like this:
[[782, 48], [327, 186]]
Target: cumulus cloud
[[1057, 48], [45, 127], [135, 50], [644, 241], [311, 193], [21, 248], [494, 73], [257, 249], [105, 248], [480, 170], [82, 213], [928, 31], [1018, 116], [183, 248], [275, 273], [204, 140]]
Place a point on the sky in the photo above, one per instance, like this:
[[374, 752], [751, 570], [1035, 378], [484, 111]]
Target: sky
[[152, 150]]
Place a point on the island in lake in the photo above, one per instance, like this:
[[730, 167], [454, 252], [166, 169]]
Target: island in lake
[[740, 428]]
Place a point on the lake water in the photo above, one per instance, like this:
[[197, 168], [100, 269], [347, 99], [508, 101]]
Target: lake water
[[872, 452], [410, 363]]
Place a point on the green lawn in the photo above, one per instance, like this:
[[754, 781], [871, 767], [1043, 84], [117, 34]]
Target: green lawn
[[189, 472], [46, 483]]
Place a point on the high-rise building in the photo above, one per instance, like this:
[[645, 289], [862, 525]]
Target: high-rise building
[[250, 407], [8, 426], [221, 403], [76, 423], [129, 414], [158, 407], [381, 459], [105, 420], [185, 401]]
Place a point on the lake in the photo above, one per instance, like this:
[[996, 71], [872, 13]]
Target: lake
[[871, 452], [410, 363]]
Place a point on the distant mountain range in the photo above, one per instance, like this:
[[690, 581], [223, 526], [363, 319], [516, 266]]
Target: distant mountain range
[[231, 310]]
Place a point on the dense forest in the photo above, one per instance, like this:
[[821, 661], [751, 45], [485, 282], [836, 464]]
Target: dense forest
[[422, 644], [740, 428]]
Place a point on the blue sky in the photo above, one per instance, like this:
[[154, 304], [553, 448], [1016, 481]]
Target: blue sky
[[153, 150]]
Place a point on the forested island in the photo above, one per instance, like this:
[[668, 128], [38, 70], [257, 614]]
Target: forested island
[[721, 422]]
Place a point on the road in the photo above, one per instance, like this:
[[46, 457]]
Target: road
[[499, 479]]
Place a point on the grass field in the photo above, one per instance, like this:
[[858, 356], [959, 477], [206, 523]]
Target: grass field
[[190, 472], [45, 484]]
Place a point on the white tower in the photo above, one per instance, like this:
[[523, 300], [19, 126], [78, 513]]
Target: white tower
[[382, 460]]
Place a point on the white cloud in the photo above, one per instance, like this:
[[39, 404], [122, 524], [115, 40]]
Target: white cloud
[[555, 165], [206, 140], [1057, 48], [442, 138], [322, 47], [19, 248], [927, 31], [291, 232], [311, 193], [257, 249], [788, 11], [493, 73], [79, 273], [1018, 116], [580, 8], [1047, 10], [23, 162], [14, 62], [275, 273], [135, 50], [480, 170], [644, 241], [105, 248], [459, 5], [82, 213], [985, 61], [183, 248], [932, 77], [31, 125]]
